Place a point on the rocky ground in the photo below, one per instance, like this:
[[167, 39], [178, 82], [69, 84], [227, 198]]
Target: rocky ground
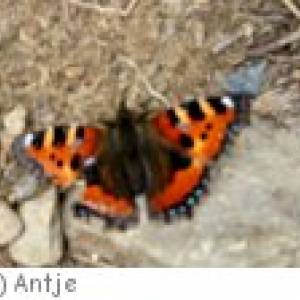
[[69, 61]]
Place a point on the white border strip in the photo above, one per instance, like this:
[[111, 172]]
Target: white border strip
[[149, 284]]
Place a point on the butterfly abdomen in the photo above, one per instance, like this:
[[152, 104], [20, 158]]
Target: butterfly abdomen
[[120, 164]]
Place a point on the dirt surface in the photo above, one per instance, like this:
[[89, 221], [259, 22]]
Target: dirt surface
[[64, 62]]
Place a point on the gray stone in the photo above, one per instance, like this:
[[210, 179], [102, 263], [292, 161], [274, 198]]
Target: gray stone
[[24, 188], [10, 225], [41, 243], [250, 218], [248, 79]]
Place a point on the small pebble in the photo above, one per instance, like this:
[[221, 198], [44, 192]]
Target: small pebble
[[72, 72], [248, 79], [25, 187], [41, 242], [296, 74]]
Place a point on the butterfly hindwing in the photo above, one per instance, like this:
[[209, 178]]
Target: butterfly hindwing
[[104, 203]]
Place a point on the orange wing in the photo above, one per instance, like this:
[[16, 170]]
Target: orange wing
[[58, 152], [197, 130], [64, 153], [117, 211]]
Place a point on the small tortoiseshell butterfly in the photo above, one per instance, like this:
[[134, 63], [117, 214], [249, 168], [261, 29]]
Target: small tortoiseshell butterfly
[[163, 155]]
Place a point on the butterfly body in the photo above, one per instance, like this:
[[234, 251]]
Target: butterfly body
[[163, 155]]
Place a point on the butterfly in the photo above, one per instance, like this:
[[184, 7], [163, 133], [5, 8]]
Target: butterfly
[[163, 154]]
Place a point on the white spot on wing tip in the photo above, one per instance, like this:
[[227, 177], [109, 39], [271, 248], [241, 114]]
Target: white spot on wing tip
[[28, 138], [89, 161], [227, 101]]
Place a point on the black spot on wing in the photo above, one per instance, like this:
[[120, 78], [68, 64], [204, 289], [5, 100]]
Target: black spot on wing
[[179, 161], [194, 110], [51, 156], [91, 174], [80, 133], [186, 141], [174, 120], [75, 162], [217, 104], [208, 126], [59, 137], [203, 136], [38, 139], [59, 163]]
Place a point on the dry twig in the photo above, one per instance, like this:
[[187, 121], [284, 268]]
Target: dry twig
[[292, 7], [144, 80], [106, 10], [290, 38], [246, 30]]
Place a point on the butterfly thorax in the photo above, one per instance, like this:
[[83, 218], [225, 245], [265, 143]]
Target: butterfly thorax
[[130, 164]]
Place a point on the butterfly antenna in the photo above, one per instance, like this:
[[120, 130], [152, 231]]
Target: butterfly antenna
[[123, 107]]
